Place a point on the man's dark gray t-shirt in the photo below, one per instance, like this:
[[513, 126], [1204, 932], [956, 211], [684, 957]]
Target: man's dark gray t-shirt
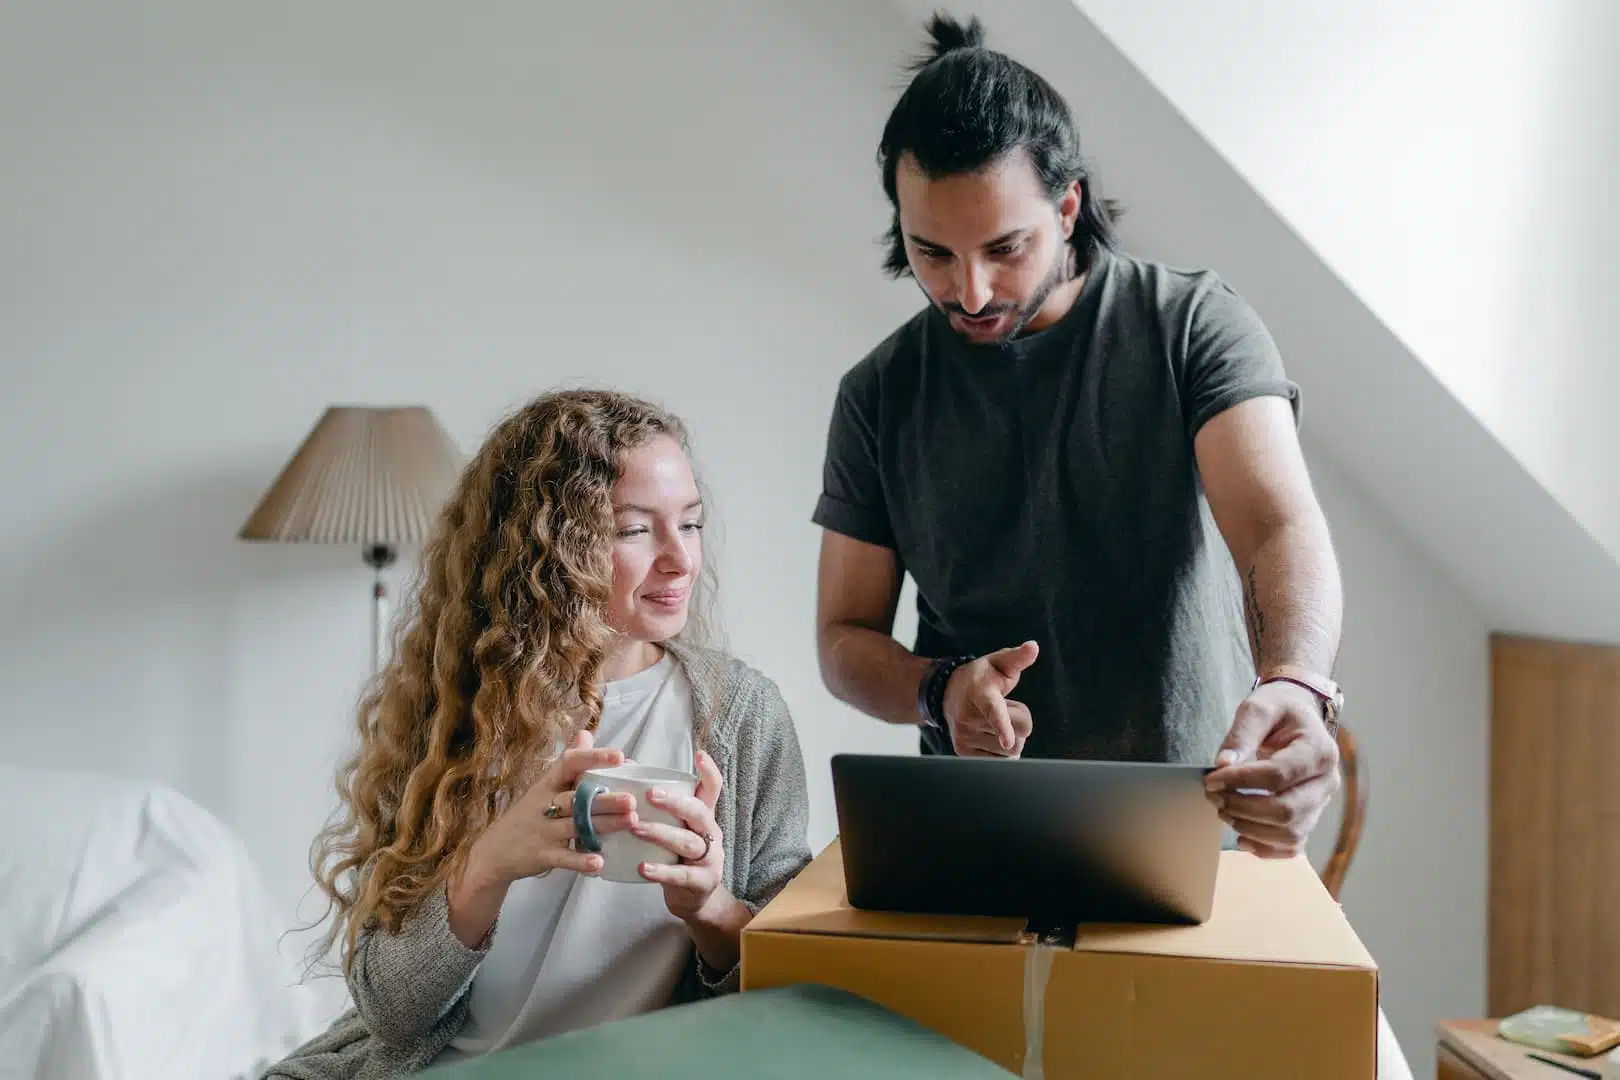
[[1047, 489]]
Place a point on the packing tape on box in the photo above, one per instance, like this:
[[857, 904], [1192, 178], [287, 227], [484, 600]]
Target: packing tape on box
[[1038, 959]]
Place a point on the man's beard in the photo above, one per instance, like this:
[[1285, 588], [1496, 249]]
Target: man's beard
[[1061, 272]]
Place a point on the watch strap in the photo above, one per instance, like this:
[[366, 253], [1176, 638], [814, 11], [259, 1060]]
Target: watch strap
[[931, 691], [1326, 689]]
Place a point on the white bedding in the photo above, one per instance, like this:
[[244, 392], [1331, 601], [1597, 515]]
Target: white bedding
[[136, 938]]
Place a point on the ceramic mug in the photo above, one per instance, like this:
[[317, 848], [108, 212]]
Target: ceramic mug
[[623, 852]]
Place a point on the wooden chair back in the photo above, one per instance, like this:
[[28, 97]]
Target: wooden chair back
[[1353, 772]]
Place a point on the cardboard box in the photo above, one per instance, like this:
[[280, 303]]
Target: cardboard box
[[1275, 986]]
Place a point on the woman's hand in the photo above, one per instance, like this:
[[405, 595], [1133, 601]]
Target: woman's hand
[[693, 889], [532, 837]]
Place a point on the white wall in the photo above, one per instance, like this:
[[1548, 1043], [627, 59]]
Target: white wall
[[1454, 163], [1415, 666], [214, 223]]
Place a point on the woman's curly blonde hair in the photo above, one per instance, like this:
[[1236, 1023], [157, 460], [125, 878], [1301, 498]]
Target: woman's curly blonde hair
[[497, 662]]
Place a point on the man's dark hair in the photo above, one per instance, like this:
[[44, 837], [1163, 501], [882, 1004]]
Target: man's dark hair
[[967, 107]]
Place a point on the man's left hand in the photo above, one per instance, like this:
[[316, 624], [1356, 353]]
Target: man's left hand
[[1276, 771]]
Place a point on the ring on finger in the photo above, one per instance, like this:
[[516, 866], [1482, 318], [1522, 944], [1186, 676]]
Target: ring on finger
[[708, 842]]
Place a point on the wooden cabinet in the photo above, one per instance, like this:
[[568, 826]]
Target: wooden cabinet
[[1554, 908]]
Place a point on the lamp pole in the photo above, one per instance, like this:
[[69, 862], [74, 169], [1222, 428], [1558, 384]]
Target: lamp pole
[[378, 556]]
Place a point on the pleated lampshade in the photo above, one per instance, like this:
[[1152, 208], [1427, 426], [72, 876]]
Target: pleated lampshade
[[369, 476]]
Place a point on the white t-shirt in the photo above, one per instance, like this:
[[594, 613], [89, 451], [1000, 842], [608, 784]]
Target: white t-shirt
[[571, 951]]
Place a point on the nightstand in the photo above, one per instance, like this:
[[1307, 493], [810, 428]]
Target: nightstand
[[1471, 1050]]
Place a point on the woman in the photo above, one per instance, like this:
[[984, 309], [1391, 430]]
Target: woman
[[549, 637]]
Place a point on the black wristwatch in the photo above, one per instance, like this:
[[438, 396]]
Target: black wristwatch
[[931, 691]]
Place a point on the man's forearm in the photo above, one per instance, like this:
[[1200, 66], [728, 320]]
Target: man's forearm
[[871, 671], [1294, 599]]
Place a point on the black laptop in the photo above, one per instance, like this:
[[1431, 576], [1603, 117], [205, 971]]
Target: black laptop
[[1055, 842]]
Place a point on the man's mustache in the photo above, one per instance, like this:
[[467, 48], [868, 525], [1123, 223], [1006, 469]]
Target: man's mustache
[[982, 313]]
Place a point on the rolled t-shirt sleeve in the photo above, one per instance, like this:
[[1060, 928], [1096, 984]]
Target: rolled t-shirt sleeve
[[1229, 357], [851, 499]]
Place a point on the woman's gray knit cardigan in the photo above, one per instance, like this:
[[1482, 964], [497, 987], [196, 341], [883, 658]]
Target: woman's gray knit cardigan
[[410, 988]]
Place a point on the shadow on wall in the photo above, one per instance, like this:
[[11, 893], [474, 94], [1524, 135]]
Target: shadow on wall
[[126, 628]]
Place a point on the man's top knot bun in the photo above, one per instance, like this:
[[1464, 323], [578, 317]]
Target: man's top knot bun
[[947, 34]]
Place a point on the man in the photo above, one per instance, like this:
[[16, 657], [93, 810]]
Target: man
[[1089, 465]]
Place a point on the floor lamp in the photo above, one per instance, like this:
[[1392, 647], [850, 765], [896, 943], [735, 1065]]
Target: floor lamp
[[371, 477]]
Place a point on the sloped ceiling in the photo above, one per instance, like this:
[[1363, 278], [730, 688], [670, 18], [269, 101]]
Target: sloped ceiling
[[1370, 404]]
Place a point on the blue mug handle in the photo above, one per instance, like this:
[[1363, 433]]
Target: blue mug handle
[[584, 795]]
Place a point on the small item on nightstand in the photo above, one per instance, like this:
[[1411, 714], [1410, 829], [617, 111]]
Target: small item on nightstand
[[1563, 1031], [1590, 1074]]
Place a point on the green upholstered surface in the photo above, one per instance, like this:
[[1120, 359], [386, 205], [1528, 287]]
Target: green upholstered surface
[[788, 1033]]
